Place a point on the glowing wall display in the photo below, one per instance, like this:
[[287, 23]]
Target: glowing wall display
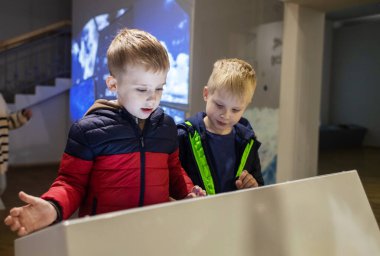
[[165, 19], [178, 115]]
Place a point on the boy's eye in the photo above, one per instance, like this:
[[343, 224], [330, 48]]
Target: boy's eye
[[141, 90], [160, 89], [236, 110], [219, 105]]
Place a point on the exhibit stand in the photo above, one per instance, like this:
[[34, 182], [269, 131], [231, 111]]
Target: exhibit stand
[[323, 215]]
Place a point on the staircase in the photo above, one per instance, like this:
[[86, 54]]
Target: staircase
[[36, 65], [42, 93]]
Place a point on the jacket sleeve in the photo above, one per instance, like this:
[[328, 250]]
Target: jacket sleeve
[[69, 188], [180, 184], [255, 169], [183, 148], [16, 120]]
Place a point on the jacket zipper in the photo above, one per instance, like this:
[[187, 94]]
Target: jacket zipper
[[209, 162], [142, 171], [94, 206]]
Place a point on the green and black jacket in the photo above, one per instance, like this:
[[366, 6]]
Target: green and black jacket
[[245, 135]]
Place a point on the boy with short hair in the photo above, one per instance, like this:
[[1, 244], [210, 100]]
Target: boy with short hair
[[218, 148], [121, 154]]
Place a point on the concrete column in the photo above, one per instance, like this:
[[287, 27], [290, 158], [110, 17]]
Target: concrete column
[[300, 92]]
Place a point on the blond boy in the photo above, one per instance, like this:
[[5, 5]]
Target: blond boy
[[218, 148], [123, 153]]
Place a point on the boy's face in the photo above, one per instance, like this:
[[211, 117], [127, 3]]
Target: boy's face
[[223, 111], [138, 90]]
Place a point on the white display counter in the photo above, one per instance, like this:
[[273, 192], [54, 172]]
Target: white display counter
[[323, 215]]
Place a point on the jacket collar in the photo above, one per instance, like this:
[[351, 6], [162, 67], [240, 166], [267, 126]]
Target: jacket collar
[[114, 106], [243, 128]]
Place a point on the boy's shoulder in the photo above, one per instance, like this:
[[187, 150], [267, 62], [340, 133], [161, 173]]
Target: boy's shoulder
[[192, 123], [244, 124], [102, 113]]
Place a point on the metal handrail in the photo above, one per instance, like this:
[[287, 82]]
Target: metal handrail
[[30, 36], [37, 59]]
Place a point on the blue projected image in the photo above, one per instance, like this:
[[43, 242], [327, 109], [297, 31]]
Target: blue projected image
[[167, 21], [178, 115], [170, 23], [81, 98]]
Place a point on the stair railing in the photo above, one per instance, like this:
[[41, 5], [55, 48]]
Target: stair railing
[[35, 58]]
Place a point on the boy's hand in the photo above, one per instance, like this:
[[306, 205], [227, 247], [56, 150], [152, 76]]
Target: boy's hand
[[27, 113], [246, 180], [37, 214], [196, 191]]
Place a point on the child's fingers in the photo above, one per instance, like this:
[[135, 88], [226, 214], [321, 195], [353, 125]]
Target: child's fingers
[[8, 220], [246, 180], [198, 191], [27, 198], [239, 184], [243, 175], [240, 181], [201, 193], [22, 231], [249, 182], [191, 195], [15, 226], [15, 212]]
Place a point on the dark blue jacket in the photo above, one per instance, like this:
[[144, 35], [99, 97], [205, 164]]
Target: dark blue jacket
[[244, 133]]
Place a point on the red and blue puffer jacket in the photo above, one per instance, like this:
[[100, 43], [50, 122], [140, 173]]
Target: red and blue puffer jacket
[[110, 164]]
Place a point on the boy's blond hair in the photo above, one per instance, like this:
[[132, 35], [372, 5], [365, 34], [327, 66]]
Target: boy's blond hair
[[136, 47], [235, 76]]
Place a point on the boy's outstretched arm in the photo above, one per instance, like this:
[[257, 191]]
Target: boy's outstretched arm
[[246, 180], [37, 214]]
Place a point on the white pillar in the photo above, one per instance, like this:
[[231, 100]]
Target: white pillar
[[300, 92]]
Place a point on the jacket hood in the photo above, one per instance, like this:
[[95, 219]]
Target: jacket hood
[[103, 104], [242, 128], [100, 105]]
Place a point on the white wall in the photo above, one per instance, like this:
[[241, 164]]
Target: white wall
[[43, 139]]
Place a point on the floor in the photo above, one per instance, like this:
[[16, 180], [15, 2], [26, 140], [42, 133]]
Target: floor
[[32, 180], [365, 160], [35, 180]]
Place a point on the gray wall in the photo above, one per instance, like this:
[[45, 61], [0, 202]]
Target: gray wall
[[19, 16], [353, 93]]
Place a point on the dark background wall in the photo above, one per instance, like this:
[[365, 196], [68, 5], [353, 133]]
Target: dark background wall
[[351, 83], [19, 16]]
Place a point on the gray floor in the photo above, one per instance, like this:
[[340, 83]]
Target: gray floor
[[35, 180], [365, 160]]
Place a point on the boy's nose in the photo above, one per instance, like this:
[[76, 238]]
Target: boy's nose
[[152, 98], [151, 95], [225, 115]]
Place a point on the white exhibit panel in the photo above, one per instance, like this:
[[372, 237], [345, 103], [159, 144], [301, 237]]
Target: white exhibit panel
[[323, 215]]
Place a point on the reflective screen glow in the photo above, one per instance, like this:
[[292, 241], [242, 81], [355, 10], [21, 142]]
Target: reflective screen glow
[[165, 19]]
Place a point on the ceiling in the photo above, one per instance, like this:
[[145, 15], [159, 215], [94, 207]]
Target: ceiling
[[341, 10], [332, 5]]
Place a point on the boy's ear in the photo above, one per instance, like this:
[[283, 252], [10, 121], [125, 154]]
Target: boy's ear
[[111, 83], [205, 93]]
